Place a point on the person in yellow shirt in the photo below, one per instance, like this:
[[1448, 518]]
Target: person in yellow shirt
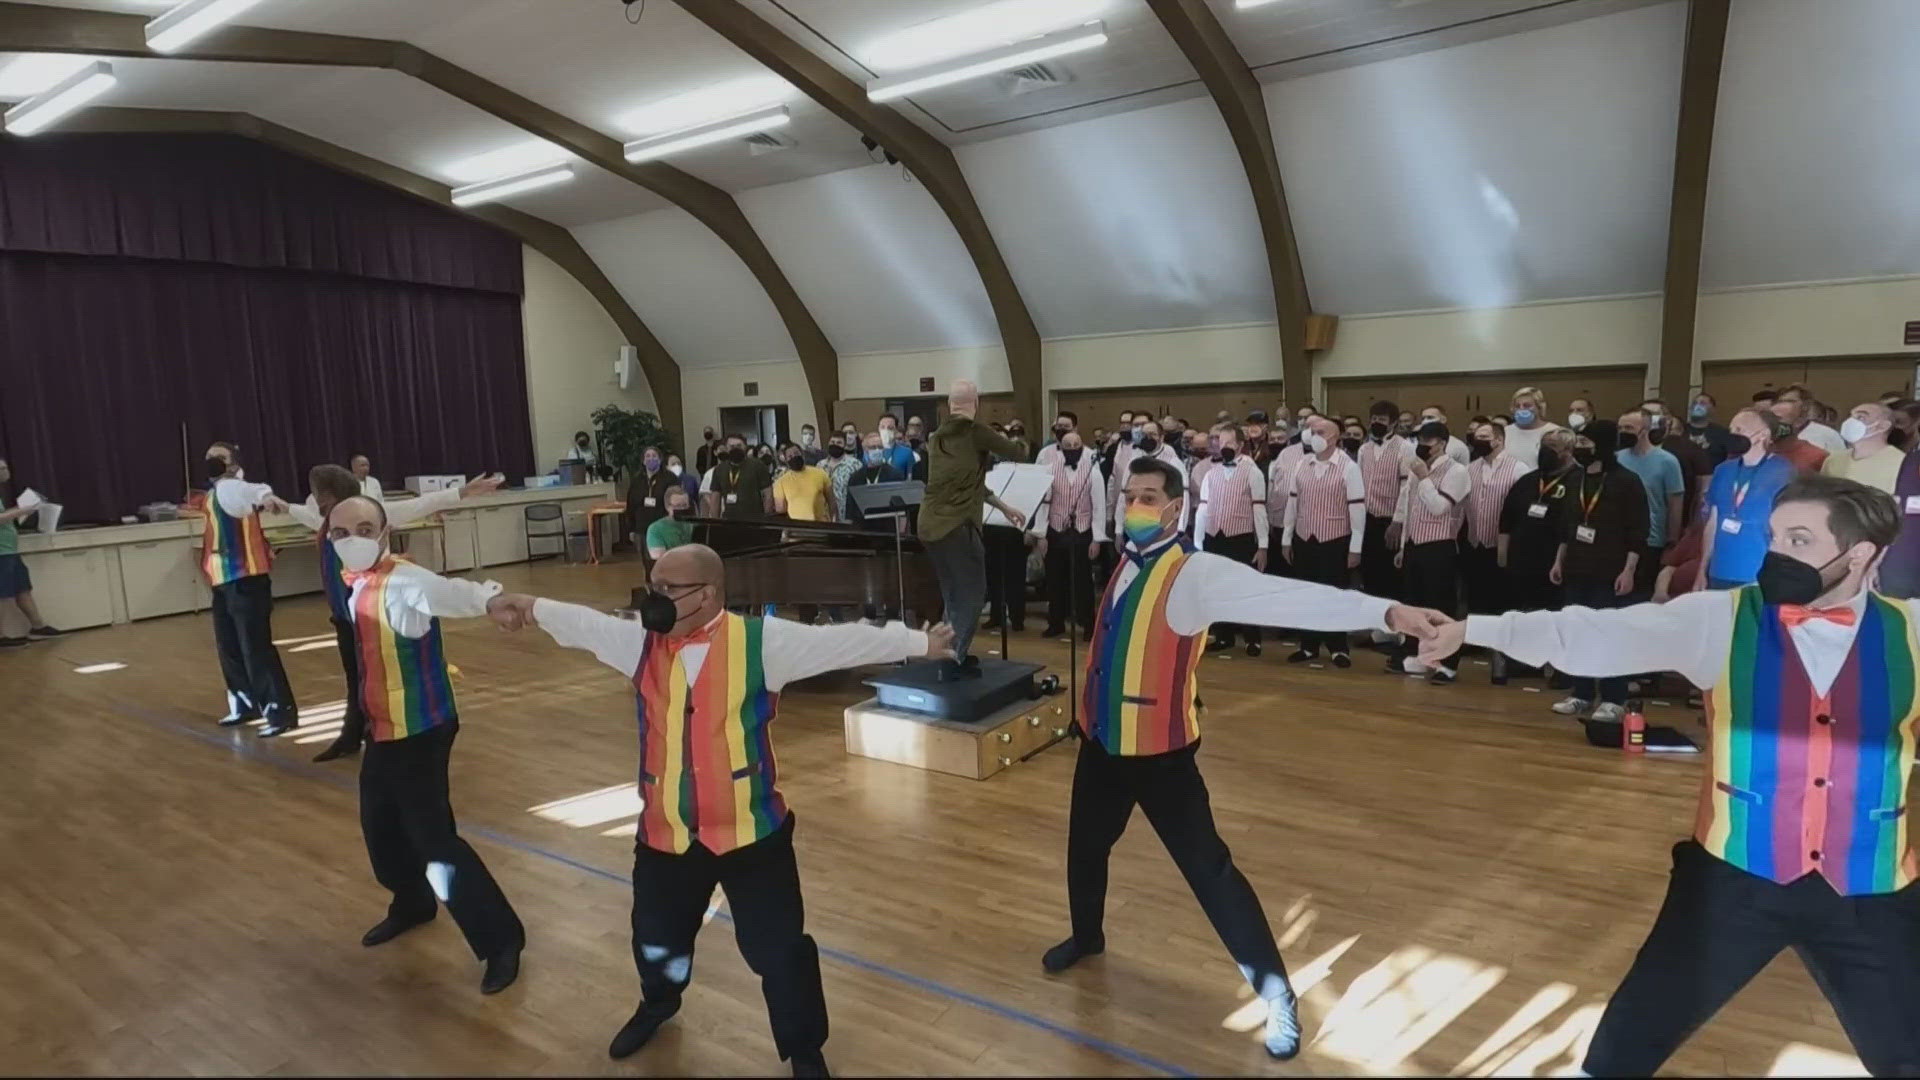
[[1871, 458], [804, 492]]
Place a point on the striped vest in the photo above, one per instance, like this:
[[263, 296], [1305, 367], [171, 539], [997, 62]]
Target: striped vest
[[1229, 500], [1322, 493], [1800, 783], [1070, 508], [404, 686], [1137, 698], [234, 548], [1492, 479], [707, 771], [1423, 525], [1380, 466]]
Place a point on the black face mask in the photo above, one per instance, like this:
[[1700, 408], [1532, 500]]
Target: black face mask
[[835, 450], [1628, 439], [915, 441], [1060, 431], [658, 613], [1352, 445], [1424, 452], [737, 454], [1379, 429], [216, 468], [1548, 461], [1227, 454], [1738, 445], [1148, 444], [1072, 457], [1479, 448], [708, 434], [1584, 456], [796, 463], [1786, 580]]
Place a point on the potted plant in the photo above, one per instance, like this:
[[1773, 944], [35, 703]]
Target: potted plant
[[624, 434]]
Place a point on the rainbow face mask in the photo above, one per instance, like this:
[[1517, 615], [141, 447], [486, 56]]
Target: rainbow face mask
[[1142, 525]]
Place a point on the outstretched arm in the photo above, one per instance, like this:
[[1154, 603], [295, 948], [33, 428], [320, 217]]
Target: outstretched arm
[[1216, 589], [793, 651], [615, 642], [1689, 634]]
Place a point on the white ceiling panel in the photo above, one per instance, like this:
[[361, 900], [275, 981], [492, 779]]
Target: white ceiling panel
[[694, 293], [1131, 222], [1528, 167], [875, 260], [1816, 148]]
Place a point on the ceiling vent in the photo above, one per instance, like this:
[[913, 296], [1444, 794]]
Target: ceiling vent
[[766, 142], [1032, 77]]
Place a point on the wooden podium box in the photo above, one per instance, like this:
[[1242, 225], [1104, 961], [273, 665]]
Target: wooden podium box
[[976, 750]]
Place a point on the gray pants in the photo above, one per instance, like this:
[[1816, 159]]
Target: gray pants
[[960, 562]]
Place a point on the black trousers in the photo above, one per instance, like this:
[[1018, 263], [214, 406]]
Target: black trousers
[[1720, 925], [1378, 575], [1645, 574], [762, 883], [1531, 589], [1070, 582], [1487, 591], [249, 662], [1432, 581], [1169, 788], [353, 724], [406, 815], [1596, 592], [1240, 549], [1323, 561], [960, 565], [1006, 554]]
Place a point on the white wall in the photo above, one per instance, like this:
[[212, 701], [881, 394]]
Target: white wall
[[782, 382], [1838, 319], [571, 345]]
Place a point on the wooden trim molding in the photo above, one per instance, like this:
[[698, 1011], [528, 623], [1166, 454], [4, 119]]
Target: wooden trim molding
[[1687, 213]]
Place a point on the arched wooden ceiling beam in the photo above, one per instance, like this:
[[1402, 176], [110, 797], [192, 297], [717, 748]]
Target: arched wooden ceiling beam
[[1236, 93], [929, 159], [36, 28], [1687, 212], [556, 243]]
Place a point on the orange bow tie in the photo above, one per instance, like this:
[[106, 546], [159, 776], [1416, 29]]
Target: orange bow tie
[[1792, 615]]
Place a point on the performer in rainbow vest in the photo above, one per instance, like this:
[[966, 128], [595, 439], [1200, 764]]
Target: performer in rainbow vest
[[406, 814], [1801, 835], [707, 684], [1140, 724], [237, 561], [327, 486]]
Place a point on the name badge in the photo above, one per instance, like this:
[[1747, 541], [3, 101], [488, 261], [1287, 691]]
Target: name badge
[[1537, 510], [1913, 504], [1583, 533], [733, 497], [652, 502], [1731, 526]]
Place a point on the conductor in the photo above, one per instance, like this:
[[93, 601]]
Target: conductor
[[958, 457]]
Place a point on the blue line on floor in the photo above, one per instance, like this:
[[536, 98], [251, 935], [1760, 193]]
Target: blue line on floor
[[221, 738]]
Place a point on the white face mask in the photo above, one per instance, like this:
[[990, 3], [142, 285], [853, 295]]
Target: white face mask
[[674, 469], [1314, 442], [1576, 421], [1853, 430], [886, 437], [358, 553], [806, 438]]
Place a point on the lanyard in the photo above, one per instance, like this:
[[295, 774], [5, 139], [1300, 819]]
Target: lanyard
[[1558, 484], [1586, 504], [1740, 486]]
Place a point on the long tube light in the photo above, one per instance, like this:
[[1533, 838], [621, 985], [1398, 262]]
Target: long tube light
[[64, 97], [531, 180], [190, 20], [672, 142], [960, 69], [1242, 5]]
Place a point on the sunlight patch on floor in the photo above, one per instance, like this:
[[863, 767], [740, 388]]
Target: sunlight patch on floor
[[592, 808], [97, 669], [1799, 1059]]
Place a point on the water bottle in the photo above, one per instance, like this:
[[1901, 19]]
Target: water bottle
[[1633, 729]]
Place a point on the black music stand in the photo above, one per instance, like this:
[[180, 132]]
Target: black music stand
[[891, 500]]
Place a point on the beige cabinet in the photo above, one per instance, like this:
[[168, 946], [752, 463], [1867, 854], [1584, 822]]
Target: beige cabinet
[[296, 570], [500, 534], [457, 540], [161, 577], [73, 588]]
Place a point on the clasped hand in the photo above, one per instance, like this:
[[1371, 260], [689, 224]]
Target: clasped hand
[[511, 611]]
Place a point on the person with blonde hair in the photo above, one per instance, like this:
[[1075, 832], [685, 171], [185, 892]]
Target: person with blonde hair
[[1529, 425]]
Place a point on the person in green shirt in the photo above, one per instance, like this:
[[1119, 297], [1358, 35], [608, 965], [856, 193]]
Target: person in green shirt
[[673, 530], [959, 453], [15, 583]]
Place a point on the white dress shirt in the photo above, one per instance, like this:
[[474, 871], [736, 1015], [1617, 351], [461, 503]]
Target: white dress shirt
[[1096, 491], [239, 497], [400, 512], [1524, 444], [1242, 471], [415, 595], [1823, 437], [789, 651], [1689, 634], [1451, 492], [1356, 498], [370, 487], [1215, 589]]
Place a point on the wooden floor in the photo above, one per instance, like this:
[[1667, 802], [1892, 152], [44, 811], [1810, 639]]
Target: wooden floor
[[1456, 879]]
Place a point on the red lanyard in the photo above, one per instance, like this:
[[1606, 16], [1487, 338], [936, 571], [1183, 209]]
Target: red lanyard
[[1587, 505]]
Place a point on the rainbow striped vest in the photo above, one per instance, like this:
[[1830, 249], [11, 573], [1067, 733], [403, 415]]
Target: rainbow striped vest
[[404, 687], [1137, 698], [707, 772], [234, 548], [333, 580], [1801, 783]]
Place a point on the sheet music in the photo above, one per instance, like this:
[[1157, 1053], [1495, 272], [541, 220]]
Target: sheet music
[[1023, 487]]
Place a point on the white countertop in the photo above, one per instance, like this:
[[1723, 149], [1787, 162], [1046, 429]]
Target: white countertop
[[32, 541]]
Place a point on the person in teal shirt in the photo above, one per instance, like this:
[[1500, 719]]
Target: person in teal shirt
[[16, 585], [1660, 474], [673, 530]]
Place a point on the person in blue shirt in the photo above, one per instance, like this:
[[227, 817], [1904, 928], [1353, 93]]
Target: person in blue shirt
[[895, 449], [1740, 498], [1666, 486]]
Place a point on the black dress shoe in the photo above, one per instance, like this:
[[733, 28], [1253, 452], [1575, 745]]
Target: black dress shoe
[[1253, 648], [1066, 954], [1054, 632], [1342, 660], [639, 1030], [1301, 656], [338, 749], [1499, 669], [502, 968], [389, 928], [279, 726], [1219, 645], [810, 1063]]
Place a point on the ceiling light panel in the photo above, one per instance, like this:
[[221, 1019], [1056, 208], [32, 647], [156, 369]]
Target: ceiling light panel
[[737, 127], [190, 21], [26, 74], [43, 110], [972, 66], [720, 101], [507, 186], [508, 160], [975, 30]]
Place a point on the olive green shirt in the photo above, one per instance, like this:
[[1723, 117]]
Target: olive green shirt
[[957, 463]]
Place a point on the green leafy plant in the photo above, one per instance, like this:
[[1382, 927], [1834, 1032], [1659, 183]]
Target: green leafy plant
[[624, 434]]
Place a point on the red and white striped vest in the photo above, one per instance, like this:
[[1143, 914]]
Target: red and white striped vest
[[1492, 478], [1229, 501], [1280, 479], [1423, 525], [1071, 506], [1380, 464], [1322, 512]]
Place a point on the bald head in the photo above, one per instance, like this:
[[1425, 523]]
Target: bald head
[[963, 397], [694, 578], [357, 516]]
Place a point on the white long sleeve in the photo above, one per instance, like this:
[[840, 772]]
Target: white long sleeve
[[791, 651], [404, 512], [1688, 634], [615, 642], [1213, 588], [307, 513], [1356, 506], [416, 596], [1099, 491], [240, 497], [1257, 491]]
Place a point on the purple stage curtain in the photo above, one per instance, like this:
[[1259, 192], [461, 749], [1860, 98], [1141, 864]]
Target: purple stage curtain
[[263, 343]]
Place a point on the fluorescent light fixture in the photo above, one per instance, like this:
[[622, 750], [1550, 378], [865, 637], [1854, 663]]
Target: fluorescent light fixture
[[735, 97], [191, 20], [67, 96], [987, 26], [491, 190], [512, 159], [1242, 5], [672, 142], [1031, 51], [29, 73]]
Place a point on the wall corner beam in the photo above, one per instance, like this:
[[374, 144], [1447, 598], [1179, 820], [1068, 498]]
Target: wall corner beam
[[1687, 213]]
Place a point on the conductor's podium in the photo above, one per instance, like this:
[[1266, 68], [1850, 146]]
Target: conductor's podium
[[972, 727]]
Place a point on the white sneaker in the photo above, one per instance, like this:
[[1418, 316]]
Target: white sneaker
[[1385, 637], [1572, 706], [1412, 666], [1283, 1028], [1608, 711]]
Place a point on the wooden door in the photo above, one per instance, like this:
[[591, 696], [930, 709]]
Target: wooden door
[[1845, 381], [1733, 382], [1613, 390]]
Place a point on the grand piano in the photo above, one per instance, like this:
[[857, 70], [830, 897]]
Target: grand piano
[[775, 561]]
